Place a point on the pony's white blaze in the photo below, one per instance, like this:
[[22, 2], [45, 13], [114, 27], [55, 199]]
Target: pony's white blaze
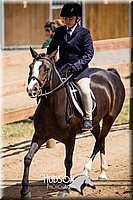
[[35, 74]]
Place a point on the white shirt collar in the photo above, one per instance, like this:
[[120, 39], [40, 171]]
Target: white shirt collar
[[72, 29]]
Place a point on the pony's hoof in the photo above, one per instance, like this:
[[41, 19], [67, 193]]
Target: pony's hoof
[[26, 196], [64, 192]]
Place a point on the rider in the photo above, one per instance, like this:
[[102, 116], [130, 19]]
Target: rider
[[75, 51]]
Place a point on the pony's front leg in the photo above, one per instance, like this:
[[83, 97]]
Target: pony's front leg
[[25, 192], [68, 165], [69, 154], [35, 145]]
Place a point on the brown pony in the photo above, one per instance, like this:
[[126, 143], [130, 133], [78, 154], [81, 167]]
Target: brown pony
[[50, 118]]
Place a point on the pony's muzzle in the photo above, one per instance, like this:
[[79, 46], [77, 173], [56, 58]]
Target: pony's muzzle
[[34, 92]]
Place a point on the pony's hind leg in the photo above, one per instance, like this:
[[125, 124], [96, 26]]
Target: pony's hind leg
[[107, 123], [87, 168], [103, 161], [100, 146], [35, 145]]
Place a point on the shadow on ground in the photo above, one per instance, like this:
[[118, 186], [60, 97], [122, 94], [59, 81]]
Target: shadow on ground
[[38, 190]]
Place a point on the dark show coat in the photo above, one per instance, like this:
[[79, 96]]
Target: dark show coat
[[78, 51]]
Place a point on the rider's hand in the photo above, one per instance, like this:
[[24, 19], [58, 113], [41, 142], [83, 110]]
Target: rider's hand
[[71, 69]]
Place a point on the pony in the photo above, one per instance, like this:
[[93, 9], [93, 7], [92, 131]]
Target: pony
[[53, 117]]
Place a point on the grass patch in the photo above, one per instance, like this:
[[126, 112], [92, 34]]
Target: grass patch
[[123, 117], [25, 128], [18, 129]]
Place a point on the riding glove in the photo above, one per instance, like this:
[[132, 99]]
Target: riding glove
[[71, 69]]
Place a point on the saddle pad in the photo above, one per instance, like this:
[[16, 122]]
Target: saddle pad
[[75, 94]]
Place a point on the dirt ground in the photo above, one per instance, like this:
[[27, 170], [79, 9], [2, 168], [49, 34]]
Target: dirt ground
[[50, 162]]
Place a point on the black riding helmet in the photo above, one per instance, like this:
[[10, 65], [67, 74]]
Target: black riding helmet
[[71, 9]]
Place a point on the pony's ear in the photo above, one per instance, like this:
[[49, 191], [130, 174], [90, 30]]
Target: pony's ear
[[33, 53], [53, 54]]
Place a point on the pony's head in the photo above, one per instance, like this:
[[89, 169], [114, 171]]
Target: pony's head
[[40, 73]]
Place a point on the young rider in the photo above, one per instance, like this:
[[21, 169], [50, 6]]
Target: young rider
[[75, 51]]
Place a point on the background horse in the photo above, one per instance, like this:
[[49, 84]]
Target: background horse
[[51, 120]]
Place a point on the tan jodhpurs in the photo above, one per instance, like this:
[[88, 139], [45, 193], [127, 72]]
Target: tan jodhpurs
[[84, 85]]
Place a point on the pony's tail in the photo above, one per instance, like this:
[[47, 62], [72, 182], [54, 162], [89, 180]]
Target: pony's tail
[[114, 71]]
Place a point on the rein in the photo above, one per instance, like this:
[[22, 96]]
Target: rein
[[58, 87]]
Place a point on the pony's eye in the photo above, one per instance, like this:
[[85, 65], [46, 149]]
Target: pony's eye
[[45, 69]]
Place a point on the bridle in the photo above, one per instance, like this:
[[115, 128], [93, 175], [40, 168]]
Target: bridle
[[47, 78]]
